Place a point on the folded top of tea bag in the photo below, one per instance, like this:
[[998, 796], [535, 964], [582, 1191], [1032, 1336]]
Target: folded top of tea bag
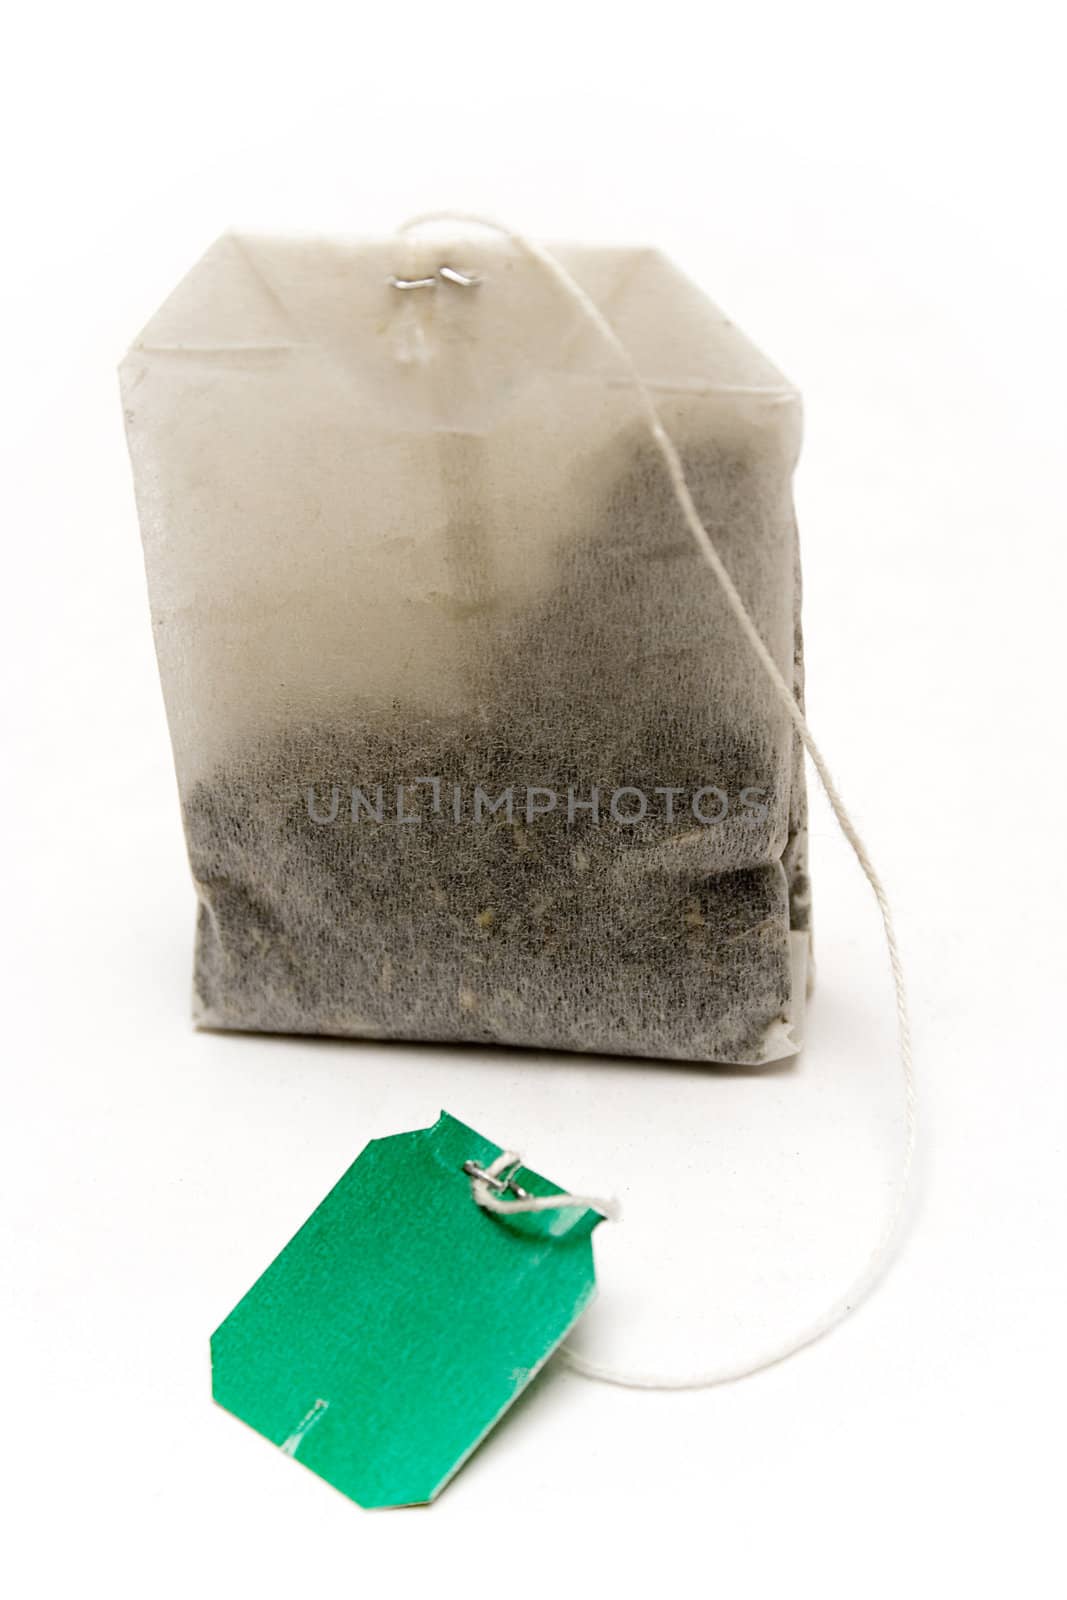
[[255, 296]]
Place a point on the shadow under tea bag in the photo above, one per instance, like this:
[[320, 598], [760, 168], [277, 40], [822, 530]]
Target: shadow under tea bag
[[469, 744]]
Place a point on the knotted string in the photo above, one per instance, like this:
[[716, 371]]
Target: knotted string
[[489, 1185]]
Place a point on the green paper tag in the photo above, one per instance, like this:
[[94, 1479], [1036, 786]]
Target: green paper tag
[[402, 1320]]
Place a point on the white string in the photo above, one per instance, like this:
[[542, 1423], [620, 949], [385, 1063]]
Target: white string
[[484, 1194], [883, 1250]]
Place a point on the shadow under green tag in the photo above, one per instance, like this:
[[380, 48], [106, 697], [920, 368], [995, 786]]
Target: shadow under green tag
[[399, 1324]]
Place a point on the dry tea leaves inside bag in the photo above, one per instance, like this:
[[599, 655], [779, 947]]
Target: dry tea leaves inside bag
[[469, 745]]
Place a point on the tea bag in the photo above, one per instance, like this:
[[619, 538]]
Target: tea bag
[[468, 743]]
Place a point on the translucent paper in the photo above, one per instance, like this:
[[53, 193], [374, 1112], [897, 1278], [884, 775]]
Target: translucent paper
[[468, 744]]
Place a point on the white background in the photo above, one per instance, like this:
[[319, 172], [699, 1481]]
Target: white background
[[875, 195]]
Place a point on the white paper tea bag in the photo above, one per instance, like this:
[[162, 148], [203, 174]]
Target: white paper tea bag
[[469, 744]]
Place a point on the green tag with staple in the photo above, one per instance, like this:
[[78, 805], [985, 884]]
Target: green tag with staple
[[403, 1319]]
